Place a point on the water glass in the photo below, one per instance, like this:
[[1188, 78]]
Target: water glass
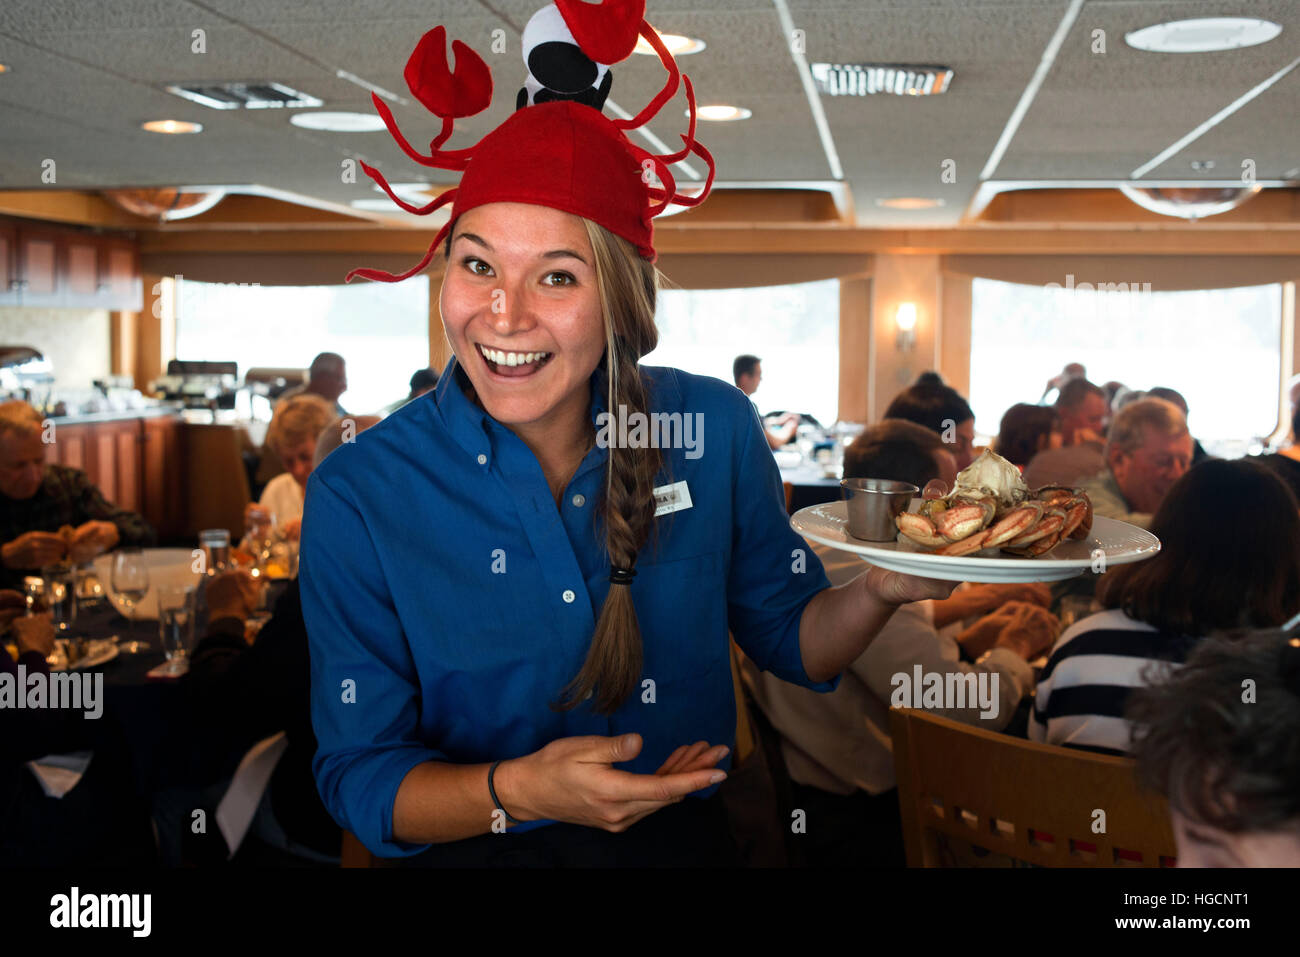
[[215, 543], [61, 597], [176, 620]]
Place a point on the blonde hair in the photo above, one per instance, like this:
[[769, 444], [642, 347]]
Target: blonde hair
[[18, 418], [299, 419], [1128, 429], [628, 286]]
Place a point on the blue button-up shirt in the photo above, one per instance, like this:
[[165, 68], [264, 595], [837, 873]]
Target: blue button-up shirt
[[449, 601]]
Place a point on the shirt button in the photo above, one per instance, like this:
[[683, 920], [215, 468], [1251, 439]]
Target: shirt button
[[568, 596], [482, 459], [579, 501]]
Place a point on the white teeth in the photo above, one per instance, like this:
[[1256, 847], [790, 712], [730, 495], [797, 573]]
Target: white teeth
[[512, 358]]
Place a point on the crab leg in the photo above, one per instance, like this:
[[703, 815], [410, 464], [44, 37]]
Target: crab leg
[[920, 530], [1052, 521], [1016, 522], [972, 543]]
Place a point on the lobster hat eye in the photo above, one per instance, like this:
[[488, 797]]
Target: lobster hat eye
[[553, 56]]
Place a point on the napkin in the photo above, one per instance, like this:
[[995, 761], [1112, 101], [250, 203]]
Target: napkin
[[59, 773], [237, 806]]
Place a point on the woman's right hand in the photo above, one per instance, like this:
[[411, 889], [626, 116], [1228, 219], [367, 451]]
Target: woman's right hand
[[573, 780]]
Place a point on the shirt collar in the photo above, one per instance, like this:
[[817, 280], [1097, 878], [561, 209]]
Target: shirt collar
[[469, 424]]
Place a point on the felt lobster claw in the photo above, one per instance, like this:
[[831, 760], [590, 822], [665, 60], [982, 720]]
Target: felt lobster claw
[[605, 31], [445, 92]]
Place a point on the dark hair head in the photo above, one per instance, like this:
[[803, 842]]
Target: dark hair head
[[930, 403], [1224, 756], [894, 449], [1229, 555], [743, 365], [1169, 395], [1022, 430], [1074, 392], [423, 379], [1112, 389]]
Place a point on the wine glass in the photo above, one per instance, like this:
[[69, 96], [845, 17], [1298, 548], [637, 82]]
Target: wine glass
[[131, 583]]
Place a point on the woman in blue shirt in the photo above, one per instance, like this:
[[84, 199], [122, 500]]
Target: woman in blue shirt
[[508, 593]]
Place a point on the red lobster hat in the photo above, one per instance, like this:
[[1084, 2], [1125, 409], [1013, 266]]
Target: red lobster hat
[[562, 151]]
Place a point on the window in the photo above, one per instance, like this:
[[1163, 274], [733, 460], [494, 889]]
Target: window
[[794, 329], [1219, 347], [380, 329]]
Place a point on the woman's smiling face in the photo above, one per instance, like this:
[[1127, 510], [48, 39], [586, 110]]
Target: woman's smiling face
[[522, 311]]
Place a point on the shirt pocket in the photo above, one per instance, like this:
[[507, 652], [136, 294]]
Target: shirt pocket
[[681, 607]]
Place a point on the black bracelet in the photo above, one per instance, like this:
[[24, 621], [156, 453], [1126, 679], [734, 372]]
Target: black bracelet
[[493, 791]]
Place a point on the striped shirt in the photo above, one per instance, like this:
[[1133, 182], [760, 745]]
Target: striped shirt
[[1083, 690]]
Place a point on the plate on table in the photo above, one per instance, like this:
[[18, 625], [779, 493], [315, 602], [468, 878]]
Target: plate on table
[[100, 652], [167, 566], [1119, 543]]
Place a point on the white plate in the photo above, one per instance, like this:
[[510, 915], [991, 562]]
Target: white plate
[[104, 651], [167, 566], [1117, 542]]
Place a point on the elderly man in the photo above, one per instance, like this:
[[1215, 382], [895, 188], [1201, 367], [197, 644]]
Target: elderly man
[[1149, 449], [327, 377], [51, 512]]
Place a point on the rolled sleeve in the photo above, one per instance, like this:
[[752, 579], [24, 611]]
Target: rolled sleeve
[[774, 574], [365, 693]]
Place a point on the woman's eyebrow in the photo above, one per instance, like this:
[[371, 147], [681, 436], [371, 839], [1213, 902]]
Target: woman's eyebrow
[[553, 254]]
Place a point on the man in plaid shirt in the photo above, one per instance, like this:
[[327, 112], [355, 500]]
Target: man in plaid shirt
[[37, 500]]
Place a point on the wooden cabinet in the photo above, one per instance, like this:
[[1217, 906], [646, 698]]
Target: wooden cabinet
[[64, 268], [137, 464], [162, 475]]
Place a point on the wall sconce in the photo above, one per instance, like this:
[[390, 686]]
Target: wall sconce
[[906, 321]]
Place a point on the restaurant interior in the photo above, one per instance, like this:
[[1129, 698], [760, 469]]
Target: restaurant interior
[[1043, 252]]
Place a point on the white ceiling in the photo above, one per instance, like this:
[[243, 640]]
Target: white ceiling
[[83, 76]]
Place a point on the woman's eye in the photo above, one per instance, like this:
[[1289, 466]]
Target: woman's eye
[[473, 263], [568, 280]]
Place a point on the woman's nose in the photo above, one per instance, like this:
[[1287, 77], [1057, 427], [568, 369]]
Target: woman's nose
[[510, 309]]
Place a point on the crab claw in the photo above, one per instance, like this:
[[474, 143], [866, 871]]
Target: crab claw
[[605, 31], [1016, 522], [1078, 523], [920, 530], [446, 93]]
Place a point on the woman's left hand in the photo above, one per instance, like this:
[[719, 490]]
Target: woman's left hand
[[895, 588]]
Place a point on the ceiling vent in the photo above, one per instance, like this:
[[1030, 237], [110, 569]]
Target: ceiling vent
[[868, 79], [247, 96]]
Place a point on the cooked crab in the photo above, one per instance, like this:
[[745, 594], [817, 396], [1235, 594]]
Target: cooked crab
[[990, 507]]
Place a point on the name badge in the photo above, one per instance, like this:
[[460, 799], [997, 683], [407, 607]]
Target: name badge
[[671, 498]]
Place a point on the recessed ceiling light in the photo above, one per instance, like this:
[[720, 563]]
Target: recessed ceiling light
[[909, 202], [1202, 166], [3, 68], [172, 126], [338, 122], [720, 112], [677, 45], [1203, 35]]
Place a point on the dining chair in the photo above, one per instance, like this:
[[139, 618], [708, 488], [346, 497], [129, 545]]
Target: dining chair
[[789, 495], [356, 854], [973, 797]]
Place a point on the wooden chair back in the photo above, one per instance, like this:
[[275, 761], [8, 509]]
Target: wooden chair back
[[970, 796]]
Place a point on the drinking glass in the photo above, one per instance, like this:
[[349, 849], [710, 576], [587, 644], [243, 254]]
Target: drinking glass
[[131, 583], [176, 620], [61, 597], [34, 589], [215, 543]]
